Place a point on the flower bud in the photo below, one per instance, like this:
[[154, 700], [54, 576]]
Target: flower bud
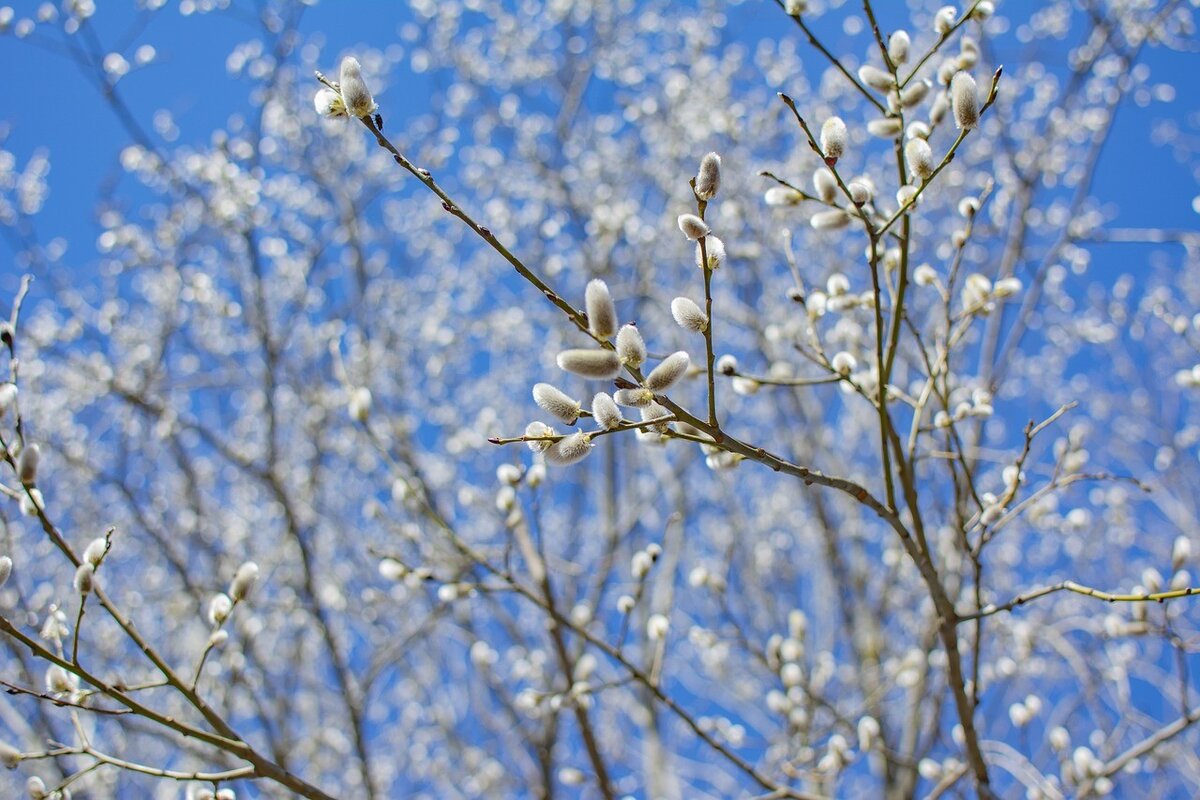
[[652, 412], [509, 474], [943, 20], [925, 275], [5, 569], [328, 103], [667, 373], [917, 130], [795, 7], [1181, 553], [1006, 287], [359, 405], [830, 220], [782, 196], [714, 249], [355, 94], [243, 581], [85, 578], [964, 97], [219, 608], [8, 397], [605, 411], [919, 157], [95, 551], [631, 348], [598, 364], [688, 315], [876, 78], [843, 363], [914, 94], [556, 403], [9, 755], [727, 364], [536, 432], [27, 463], [569, 450], [885, 127], [692, 226], [657, 627], [833, 138], [708, 181], [983, 10], [860, 193], [937, 111], [601, 313], [634, 398], [35, 787], [898, 44], [825, 184]]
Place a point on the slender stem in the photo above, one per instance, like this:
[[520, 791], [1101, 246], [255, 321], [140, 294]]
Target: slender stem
[[708, 334]]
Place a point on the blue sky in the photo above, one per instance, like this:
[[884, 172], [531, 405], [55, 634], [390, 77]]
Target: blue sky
[[57, 108]]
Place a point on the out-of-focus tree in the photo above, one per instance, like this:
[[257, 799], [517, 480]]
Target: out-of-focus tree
[[878, 491]]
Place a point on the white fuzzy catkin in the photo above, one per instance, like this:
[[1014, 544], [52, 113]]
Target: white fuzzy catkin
[[925, 275], [27, 463], [898, 44], [359, 405], [917, 130], [714, 249], [569, 450], [667, 373], [964, 97], [5, 569], [556, 403], [85, 578], [597, 364], [885, 127], [355, 93], [328, 103], [10, 756], [920, 158], [795, 7], [605, 411], [536, 432], [8, 397], [708, 180], [95, 551], [727, 364], [631, 348], [688, 315], [876, 78], [243, 581], [825, 184], [943, 20], [634, 398], [782, 196], [219, 609], [937, 112], [692, 226], [860, 193], [843, 363], [914, 93], [830, 220], [657, 627], [601, 312], [833, 138]]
